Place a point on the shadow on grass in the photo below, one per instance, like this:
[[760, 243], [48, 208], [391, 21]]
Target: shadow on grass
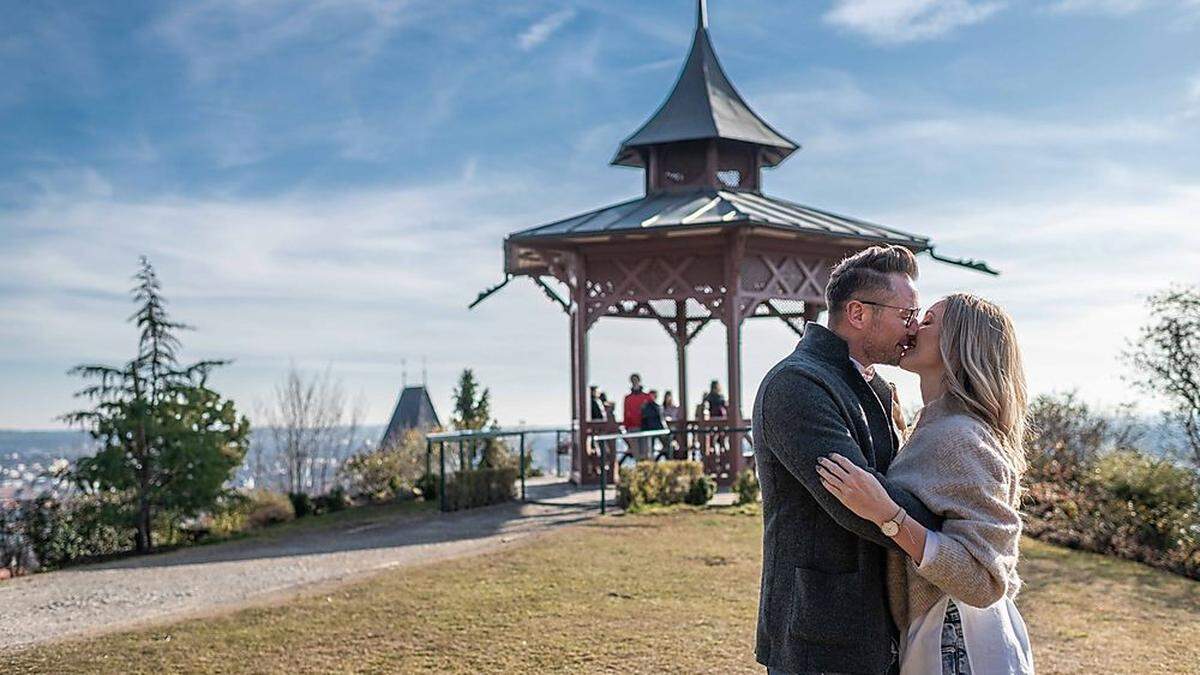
[[552, 505]]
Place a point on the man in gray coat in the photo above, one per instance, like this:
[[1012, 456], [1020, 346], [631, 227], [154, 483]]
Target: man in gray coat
[[823, 603]]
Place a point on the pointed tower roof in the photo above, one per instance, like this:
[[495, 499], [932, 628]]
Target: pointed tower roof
[[413, 411], [703, 105]]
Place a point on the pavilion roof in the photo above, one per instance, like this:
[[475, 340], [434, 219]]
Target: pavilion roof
[[705, 208], [704, 104]]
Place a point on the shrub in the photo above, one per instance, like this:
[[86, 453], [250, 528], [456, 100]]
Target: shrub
[[302, 504], [701, 491], [427, 484], [480, 487], [746, 486], [657, 483], [388, 472], [81, 527], [265, 508], [335, 500], [1064, 437], [1130, 505]]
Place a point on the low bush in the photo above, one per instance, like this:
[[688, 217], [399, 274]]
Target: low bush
[[701, 491], [265, 508], [666, 482], [335, 500], [302, 504], [1129, 505], [480, 487], [79, 528], [427, 485], [389, 472], [746, 486]]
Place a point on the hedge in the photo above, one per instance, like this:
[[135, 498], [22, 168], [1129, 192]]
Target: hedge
[[480, 487]]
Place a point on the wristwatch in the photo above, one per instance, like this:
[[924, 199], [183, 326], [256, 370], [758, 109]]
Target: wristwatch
[[891, 526]]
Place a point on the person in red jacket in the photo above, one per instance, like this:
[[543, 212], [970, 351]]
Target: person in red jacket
[[632, 420]]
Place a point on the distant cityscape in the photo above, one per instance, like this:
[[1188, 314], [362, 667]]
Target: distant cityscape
[[27, 459]]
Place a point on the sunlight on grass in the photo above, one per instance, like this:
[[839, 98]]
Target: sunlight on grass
[[662, 590]]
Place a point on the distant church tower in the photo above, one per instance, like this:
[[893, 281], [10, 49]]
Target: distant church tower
[[414, 410]]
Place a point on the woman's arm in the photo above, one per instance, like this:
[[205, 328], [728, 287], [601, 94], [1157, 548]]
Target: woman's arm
[[978, 540], [861, 492]]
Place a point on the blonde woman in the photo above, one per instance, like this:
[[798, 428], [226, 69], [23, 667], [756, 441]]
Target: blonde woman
[[951, 592]]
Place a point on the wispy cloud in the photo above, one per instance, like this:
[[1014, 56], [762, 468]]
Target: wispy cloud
[[1192, 98], [215, 35], [893, 22], [542, 29], [362, 277], [1189, 10], [1114, 7]]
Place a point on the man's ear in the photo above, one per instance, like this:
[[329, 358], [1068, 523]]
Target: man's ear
[[855, 314]]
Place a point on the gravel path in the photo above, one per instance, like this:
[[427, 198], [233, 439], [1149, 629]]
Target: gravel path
[[134, 591]]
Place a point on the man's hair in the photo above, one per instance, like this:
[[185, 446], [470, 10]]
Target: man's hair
[[865, 272]]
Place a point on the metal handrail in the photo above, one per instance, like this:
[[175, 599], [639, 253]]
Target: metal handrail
[[471, 434], [442, 437]]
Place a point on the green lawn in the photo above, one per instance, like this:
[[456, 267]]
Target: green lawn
[[672, 591]]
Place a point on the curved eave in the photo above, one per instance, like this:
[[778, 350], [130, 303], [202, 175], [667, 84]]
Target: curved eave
[[914, 243], [771, 155]]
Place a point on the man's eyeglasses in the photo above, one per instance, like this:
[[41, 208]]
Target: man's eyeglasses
[[909, 314]]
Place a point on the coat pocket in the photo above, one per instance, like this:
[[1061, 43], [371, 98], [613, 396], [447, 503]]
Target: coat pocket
[[827, 607]]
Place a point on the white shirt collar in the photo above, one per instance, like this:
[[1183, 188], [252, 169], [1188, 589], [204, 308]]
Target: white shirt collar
[[868, 372]]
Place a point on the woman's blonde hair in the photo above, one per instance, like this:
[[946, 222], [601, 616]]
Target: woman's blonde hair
[[984, 373]]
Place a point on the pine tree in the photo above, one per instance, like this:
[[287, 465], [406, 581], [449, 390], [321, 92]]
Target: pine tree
[[473, 411], [169, 443]]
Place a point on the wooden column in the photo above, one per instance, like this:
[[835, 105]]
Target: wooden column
[[733, 352], [576, 449], [681, 336], [579, 323]]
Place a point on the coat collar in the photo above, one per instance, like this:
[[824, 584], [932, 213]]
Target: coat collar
[[824, 343]]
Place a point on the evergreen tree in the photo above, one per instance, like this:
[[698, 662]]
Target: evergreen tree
[[473, 411], [169, 443]]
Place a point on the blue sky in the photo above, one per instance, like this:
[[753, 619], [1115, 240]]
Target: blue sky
[[328, 183]]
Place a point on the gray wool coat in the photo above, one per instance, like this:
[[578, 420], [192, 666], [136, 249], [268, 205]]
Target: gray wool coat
[[823, 602]]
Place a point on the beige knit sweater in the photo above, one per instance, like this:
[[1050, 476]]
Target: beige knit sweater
[[953, 463]]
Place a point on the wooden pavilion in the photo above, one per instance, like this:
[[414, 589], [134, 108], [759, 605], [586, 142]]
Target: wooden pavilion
[[704, 244]]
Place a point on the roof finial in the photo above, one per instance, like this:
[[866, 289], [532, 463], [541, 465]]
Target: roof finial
[[403, 372], [701, 14]]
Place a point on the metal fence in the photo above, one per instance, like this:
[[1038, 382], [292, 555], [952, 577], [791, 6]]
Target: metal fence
[[467, 443], [698, 441], [701, 441]]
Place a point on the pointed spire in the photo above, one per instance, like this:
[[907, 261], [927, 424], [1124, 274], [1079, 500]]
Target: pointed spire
[[704, 104]]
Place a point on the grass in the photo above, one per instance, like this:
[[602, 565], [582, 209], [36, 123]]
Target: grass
[[673, 590]]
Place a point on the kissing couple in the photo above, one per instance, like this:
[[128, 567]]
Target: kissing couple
[[886, 549]]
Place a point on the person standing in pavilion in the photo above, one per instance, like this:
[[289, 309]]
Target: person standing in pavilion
[[653, 419], [632, 419]]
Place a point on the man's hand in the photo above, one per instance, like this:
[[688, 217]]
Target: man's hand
[[855, 488]]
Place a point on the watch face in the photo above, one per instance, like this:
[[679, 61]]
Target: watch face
[[890, 528]]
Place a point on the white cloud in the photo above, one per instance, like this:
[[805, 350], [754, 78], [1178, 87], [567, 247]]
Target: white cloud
[[901, 21], [541, 30], [1075, 274], [1114, 7], [1188, 9], [215, 35], [360, 279], [1192, 98]]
